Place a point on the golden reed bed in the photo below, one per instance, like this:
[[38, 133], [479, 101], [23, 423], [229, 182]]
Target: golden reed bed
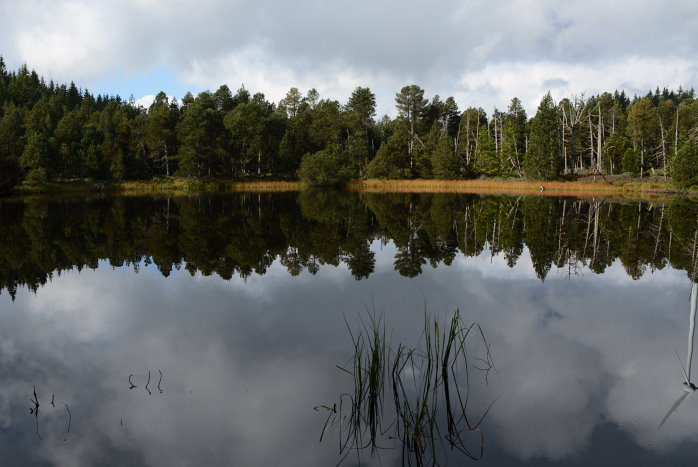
[[570, 188]]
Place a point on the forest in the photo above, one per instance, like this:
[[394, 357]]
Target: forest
[[51, 131]]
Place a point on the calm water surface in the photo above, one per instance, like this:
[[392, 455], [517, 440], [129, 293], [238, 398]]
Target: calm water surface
[[204, 330]]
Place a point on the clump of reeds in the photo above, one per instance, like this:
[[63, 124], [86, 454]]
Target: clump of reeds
[[429, 385]]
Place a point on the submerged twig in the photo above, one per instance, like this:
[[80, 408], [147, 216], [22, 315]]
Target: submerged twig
[[160, 381], [131, 382], [147, 383], [70, 418], [35, 411]]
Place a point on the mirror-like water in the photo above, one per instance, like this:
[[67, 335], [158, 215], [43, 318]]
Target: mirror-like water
[[206, 330]]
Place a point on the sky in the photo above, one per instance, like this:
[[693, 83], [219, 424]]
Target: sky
[[481, 53]]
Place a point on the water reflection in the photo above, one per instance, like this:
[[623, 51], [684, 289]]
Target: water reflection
[[245, 347], [688, 386], [239, 235]]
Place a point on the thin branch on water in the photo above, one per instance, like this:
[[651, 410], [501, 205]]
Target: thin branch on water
[[70, 419], [35, 412], [147, 383]]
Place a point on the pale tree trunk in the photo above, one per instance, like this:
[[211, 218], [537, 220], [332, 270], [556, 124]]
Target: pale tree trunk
[[599, 137], [564, 146], [496, 142], [663, 134], [613, 120], [167, 163], [676, 133], [591, 143], [467, 139]]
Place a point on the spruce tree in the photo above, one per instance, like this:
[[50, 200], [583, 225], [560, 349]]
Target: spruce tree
[[444, 162], [543, 160]]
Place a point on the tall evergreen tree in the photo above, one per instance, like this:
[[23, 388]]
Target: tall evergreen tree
[[543, 160], [411, 105]]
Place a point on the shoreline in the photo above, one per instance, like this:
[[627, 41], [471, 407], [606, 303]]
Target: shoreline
[[582, 188]]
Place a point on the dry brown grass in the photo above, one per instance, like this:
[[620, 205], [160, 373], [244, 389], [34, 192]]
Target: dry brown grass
[[614, 187], [213, 186], [585, 188]]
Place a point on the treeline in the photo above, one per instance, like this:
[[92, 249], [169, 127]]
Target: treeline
[[54, 131], [242, 234]]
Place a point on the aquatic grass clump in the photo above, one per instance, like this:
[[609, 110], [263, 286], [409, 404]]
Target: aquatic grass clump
[[429, 385], [438, 381], [360, 412]]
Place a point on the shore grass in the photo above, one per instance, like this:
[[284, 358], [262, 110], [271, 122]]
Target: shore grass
[[615, 187], [622, 188], [158, 186]]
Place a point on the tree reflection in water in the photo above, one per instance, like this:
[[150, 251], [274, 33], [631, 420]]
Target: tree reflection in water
[[241, 234]]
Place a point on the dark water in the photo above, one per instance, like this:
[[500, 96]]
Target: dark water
[[236, 305]]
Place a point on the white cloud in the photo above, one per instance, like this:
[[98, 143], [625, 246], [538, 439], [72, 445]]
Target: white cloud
[[145, 101], [498, 83], [482, 53]]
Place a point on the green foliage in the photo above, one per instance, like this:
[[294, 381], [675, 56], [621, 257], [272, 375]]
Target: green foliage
[[684, 166], [486, 161], [36, 176], [35, 154], [631, 162], [614, 149], [325, 168], [392, 159], [444, 161], [543, 160]]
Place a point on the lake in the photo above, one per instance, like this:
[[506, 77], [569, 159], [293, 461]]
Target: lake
[[240, 329]]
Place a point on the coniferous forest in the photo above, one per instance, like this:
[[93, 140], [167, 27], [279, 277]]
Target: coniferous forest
[[51, 131]]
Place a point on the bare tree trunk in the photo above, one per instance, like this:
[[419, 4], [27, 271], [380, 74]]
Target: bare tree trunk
[[613, 120], [591, 142], [496, 139], [467, 138], [564, 146], [661, 130], [599, 165], [676, 133]]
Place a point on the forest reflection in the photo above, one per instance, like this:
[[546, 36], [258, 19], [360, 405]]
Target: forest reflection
[[241, 234]]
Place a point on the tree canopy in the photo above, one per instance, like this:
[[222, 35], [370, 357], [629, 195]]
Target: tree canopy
[[52, 131]]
